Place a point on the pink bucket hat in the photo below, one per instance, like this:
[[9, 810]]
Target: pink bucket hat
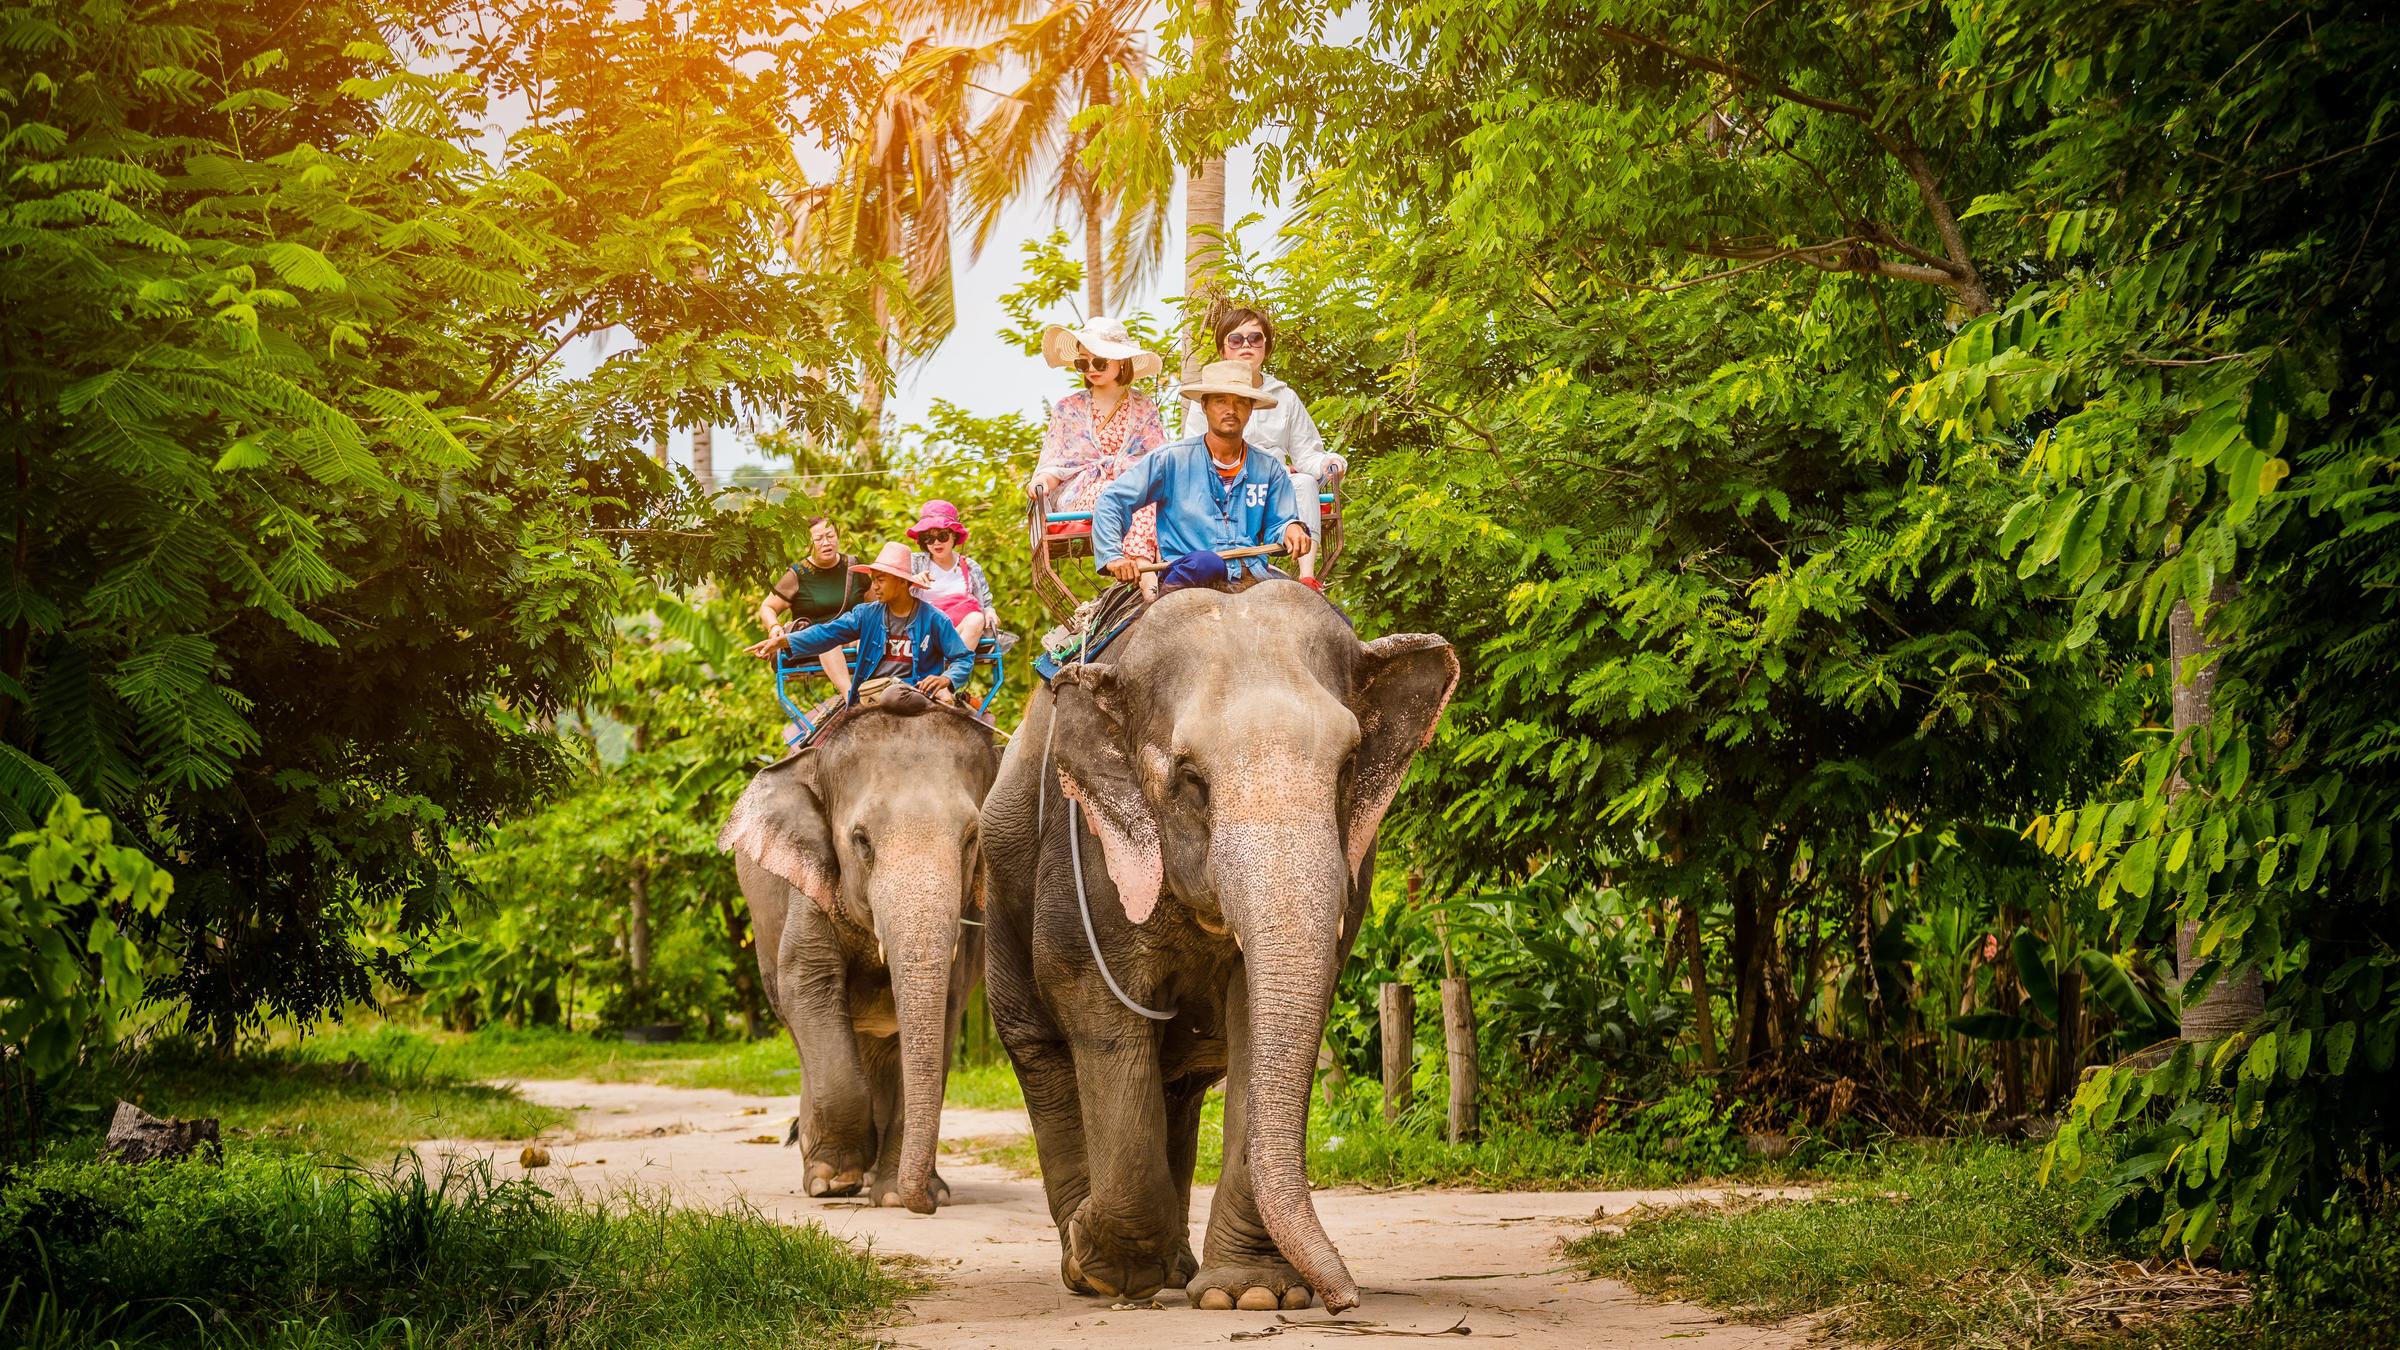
[[938, 515]]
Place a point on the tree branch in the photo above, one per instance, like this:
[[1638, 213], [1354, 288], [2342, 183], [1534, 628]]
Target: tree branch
[[1739, 76], [1957, 271]]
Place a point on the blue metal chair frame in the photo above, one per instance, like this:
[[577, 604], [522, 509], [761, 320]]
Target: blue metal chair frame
[[787, 666]]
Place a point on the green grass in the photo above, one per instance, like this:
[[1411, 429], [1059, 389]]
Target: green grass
[[1350, 1144], [267, 1250], [1956, 1245], [303, 1103], [765, 1068]]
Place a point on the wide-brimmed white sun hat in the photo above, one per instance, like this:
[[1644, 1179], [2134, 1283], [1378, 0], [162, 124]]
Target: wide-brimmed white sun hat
[[1238, 378], [1103, 336]]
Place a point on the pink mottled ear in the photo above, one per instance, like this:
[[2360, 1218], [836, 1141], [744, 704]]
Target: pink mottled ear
[[1400, 688], [1095, 772], [779, 823]]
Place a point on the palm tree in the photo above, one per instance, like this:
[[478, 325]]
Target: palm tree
[[1078, 56], [890, 208]]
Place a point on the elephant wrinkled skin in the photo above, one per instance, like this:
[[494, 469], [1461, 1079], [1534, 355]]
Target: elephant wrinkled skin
[[1230, 764], [857, 856]]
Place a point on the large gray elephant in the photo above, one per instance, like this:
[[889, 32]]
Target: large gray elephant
[[857, 856], [1229, 763]]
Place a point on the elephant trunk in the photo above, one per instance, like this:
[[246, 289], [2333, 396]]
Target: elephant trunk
[[920, 945], [1284, 884]]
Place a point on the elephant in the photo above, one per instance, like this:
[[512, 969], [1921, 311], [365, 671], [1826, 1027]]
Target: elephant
[[1226, 769], [858, 857]]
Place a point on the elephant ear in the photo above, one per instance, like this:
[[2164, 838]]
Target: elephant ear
[[1400, 687], [1088, 731], [779, 823]]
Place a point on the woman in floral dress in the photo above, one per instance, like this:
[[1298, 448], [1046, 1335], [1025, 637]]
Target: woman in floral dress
[[1095, 432]]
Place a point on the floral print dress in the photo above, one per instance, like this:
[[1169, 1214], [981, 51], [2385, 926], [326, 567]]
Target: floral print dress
[[1087, 457]]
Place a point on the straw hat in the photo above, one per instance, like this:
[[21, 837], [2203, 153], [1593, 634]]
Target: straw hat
[[1103, 336], [892, 560], [1239, 378]]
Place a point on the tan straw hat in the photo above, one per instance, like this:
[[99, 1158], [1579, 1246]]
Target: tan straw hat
[[1239, 378], [1103, 336], [892, 560]]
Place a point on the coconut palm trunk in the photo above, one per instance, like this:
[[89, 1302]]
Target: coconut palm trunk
[[1204, 183]]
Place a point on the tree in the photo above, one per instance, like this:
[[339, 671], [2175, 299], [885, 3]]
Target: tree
[[902, 167], [307, 537], [1077, 55]]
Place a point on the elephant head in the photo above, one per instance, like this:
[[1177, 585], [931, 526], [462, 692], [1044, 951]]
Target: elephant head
[[876, 825], [1238, 756]]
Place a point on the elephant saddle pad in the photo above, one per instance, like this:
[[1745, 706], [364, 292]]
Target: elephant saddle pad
[[1098, 622]]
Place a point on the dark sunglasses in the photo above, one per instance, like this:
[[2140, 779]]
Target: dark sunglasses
[[1088, 364], [1245, 340], [935, 537]]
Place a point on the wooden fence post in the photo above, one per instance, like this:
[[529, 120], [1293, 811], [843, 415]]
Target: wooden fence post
[[1398, 1004], [1458, 1032]]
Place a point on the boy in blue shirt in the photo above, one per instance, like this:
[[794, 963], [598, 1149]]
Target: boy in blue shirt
[[899, 636], [1213, 491]]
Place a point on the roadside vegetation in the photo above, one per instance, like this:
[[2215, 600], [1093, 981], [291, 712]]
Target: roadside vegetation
[[267, 1251]]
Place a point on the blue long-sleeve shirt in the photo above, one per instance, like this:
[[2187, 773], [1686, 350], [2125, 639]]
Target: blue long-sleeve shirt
[[931, 645], [1196, 508]]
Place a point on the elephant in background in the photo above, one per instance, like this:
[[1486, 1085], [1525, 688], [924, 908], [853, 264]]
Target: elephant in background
[[857, 856], [1229, 767]]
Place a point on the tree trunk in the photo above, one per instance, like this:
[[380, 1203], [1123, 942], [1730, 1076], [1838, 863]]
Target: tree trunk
[[2235, 998], [637, 927], [1398, 1005], [704, 456], [1458, 1034], [1749, 974], [2070, 1036], [745, 964], [1704, 1018], [1204, 186], [2012, 1053]]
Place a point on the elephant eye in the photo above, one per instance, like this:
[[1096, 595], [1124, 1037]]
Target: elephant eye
[[1189, 782], [861, 846]]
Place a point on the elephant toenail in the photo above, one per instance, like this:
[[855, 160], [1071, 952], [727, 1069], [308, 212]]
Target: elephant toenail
[[1296, 1296], [1258, 1299], [1216, 1300]]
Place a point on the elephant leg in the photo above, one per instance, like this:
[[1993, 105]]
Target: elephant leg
[[1240, 1265], [837, 1122], [881, 1057], [1046, 1074], [1185, 1098], [1125, 1239]]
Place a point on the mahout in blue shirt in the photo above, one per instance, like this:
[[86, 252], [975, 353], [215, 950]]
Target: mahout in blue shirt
[[1197, 509]]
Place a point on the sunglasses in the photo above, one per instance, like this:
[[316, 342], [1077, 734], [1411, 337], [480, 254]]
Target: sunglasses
[[1088, 364], [1233, 340], [935, 537]]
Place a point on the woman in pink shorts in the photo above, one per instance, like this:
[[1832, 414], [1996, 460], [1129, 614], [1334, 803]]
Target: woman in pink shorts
[[947, 579]]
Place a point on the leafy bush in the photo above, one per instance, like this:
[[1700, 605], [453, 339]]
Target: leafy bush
[[69, 971]]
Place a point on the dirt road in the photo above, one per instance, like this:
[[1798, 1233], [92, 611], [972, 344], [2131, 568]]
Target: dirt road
[[1425, 1259]]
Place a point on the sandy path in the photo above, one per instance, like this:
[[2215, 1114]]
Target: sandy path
[[1424, 1258]]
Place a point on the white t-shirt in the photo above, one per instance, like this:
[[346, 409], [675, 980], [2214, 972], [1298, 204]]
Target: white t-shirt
[[945, 583]]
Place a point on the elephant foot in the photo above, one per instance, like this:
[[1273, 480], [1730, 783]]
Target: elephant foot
[[825, 1181], [1093, 1265], [1250, 1286], [886, 1193]]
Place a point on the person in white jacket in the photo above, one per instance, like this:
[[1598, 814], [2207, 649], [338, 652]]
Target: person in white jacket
[[1285, 430]]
